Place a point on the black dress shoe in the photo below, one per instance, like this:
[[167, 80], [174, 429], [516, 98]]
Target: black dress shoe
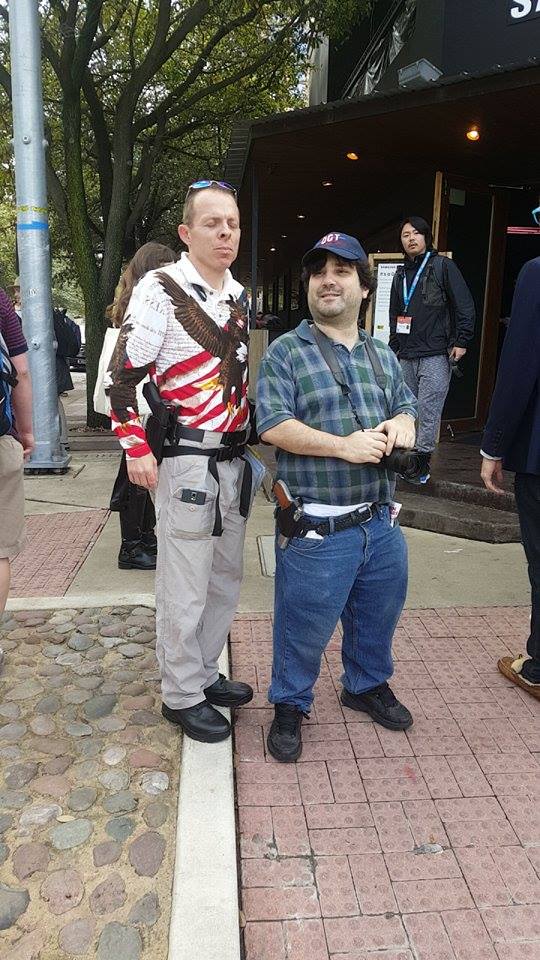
[[285, 737], [228, 693], [134, 556], [382, 706], [200, 722]]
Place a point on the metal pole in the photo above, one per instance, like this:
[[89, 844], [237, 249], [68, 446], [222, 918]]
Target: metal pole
[[33, 231], [254, 242]]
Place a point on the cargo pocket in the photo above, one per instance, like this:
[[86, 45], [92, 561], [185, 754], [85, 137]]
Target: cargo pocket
[[192, 513]]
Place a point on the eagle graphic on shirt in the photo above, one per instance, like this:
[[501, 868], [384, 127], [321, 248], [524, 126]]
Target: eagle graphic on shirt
[[229, 343]]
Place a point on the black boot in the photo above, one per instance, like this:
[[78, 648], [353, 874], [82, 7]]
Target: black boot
[[285, 737], [149, 542], [134, 556]]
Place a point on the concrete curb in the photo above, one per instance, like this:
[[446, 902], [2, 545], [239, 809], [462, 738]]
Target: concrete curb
[[205, 920], [112, 599], [205, 909]]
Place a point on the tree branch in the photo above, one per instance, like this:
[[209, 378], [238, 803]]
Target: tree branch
[[162, 49], [5, 80], [103, 144], [197, 67], [83, 50], [103, 38]]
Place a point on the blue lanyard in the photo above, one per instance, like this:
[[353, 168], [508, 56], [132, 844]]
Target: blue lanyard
[[407, 296]]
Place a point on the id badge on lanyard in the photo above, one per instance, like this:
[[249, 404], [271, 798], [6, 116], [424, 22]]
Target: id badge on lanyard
[[404, 322]]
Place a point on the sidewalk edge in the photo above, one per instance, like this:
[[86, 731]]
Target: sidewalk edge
[[205, 908], [74, 602]]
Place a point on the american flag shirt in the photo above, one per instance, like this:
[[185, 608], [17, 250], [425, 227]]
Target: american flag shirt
[[193, 342]]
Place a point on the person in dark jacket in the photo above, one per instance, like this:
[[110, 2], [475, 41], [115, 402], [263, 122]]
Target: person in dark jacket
[[68, 343], [431, 322], [511, 441]]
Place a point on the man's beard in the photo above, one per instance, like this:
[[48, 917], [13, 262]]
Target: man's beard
[[337, 318]]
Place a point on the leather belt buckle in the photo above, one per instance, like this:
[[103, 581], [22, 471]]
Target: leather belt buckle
[[369, 511]]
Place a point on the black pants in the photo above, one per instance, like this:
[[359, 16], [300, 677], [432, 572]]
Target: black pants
[[527, 489], [134, 504]]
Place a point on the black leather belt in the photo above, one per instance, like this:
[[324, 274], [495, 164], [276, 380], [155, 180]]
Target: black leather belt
[[334, 524]]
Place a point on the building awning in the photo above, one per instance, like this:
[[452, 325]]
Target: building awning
[[398, 136]]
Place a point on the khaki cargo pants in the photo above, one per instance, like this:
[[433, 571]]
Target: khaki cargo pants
[[198, 576], [12, 536]]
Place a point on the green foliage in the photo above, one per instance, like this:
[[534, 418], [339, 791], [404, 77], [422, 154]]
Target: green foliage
[[140, 97]]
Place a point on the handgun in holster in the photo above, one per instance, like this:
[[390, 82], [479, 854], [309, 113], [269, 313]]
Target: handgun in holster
[[161, 421], [289, 513]]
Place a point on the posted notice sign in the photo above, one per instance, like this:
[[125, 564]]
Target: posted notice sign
[[519, 10], [384, 266]]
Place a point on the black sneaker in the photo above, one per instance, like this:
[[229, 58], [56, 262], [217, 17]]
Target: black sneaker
[[382, 706], [284, 740]]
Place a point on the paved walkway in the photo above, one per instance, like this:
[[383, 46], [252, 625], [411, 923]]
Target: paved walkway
[[88, 788], [377, 845], [57, 546]]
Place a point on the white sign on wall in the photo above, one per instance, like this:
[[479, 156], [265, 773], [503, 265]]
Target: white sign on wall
[[519, 10], [381, 312]]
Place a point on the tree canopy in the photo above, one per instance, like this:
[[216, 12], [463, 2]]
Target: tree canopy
[[140, 96]]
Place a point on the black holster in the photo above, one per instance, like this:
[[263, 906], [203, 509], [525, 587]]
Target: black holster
[[161, 422], [289, 521]]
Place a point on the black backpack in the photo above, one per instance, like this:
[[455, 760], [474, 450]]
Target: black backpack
[[8, 380]]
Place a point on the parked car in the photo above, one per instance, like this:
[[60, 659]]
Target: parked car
[[78, 363]]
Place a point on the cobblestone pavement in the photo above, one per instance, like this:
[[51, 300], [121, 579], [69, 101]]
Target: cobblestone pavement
[[58, 544], [379, 845], [88, 788]]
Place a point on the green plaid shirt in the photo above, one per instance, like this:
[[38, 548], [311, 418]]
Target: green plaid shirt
[[296, 383]]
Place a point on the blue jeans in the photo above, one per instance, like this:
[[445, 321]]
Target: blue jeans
[[358, 575]]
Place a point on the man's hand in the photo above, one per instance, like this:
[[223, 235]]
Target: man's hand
[[143, 471], [457, 353], [28, 443], [492, 475], [400, 432], [364, 446]]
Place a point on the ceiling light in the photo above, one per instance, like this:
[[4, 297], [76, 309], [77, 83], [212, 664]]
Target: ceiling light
[[300, 216], [327, 183], [473, 133], [351, 155], [283, 236], [272, 249]]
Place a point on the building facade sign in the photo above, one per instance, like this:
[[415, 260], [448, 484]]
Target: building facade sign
[[519, 10]]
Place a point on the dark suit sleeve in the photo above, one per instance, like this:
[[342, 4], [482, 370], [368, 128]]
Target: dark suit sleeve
[[462, 303], [519, 367], [393, 341]]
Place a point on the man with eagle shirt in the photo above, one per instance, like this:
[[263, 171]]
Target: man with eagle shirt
[[187, 327]]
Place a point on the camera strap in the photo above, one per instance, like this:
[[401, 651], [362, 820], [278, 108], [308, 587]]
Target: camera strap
[[332, 362]]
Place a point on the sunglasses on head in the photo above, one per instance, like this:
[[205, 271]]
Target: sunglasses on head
[[536, 216], [204, 184]]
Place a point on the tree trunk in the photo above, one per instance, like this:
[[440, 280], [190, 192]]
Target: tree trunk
[[83, 252]]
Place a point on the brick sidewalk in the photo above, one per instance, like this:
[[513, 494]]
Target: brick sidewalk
[[57, 545], [378, 845]]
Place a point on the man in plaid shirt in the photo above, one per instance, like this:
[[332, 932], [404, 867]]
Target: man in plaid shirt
[[350, 562]]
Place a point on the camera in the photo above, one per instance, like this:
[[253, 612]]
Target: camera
[[409, 464]]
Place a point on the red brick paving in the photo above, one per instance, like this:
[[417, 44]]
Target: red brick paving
[[57, 545], [329, 845]]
